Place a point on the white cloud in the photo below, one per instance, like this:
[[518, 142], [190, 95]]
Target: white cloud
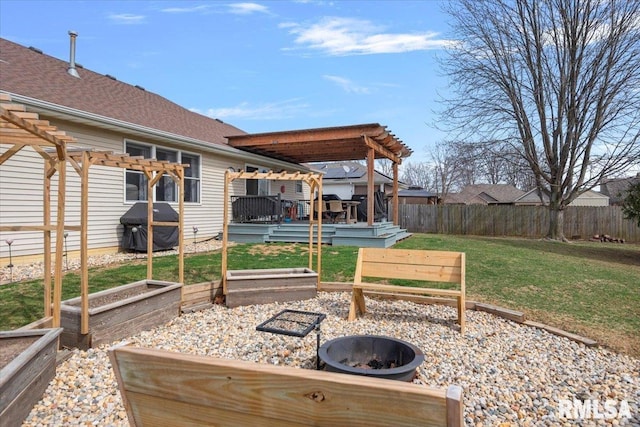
[[269, 111], [348, 36], [247, 8], [127, 18], [200, 8], [347, 85]]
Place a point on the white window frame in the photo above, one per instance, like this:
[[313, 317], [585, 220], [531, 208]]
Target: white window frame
[[179, 153]]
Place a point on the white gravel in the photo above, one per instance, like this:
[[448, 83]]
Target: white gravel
[[512, 375]]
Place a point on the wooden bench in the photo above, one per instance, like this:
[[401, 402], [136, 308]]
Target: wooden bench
[[409, 264], [161, 388]]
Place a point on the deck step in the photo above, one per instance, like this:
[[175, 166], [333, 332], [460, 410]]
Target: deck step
[[383, 235]]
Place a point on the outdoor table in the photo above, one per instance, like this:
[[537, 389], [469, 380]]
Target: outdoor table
[[351, 207]]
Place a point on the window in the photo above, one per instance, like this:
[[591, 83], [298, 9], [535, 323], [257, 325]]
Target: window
[[166, 190], [298, 186], [191, 178], [136, 182], [256, 187]]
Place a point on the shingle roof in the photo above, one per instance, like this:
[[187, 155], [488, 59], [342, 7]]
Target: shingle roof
[[336, 170], [616, 188], [485, 194], [416, 193], [25, 72]]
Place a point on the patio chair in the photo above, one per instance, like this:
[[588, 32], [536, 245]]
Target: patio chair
[[336, 211]]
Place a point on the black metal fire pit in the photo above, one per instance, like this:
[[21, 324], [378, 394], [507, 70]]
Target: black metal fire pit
[[372, 356]]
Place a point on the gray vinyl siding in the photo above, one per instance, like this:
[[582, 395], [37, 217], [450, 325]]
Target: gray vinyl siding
[[21, 193]]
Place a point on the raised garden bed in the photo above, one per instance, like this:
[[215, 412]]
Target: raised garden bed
[[120, 312], [27, 365], [263, 286]]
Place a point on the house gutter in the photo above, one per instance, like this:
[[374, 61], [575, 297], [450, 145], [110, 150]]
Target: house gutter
[[226, 150]]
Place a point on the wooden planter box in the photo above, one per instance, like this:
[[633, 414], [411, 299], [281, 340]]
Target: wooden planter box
[[27, 365], [247, 287], [120, 312]]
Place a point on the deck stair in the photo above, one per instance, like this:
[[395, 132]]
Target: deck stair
[[380, 234]]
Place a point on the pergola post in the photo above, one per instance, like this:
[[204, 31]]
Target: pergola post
[[225, 230], [395, 194], [84, 242], [57, 279], [46, 234], [370, 186]]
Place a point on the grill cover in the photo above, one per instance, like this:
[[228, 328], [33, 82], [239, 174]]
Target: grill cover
[[164, 237]]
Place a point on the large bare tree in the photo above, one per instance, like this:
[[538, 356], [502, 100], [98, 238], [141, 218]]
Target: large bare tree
[[557, 80]]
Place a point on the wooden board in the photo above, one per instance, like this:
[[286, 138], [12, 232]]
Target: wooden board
[[248, 287], [121, 318], [25, 378], [161, 388], [422, 266]]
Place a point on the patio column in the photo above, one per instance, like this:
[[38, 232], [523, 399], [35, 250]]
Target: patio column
[[370, 186], [395, 194]]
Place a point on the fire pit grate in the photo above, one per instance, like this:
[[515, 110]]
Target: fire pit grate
[[295, 323], [292, 322]]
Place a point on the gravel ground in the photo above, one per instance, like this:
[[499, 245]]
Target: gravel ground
[[512, 375]]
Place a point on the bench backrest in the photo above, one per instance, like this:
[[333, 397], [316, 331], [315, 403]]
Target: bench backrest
[[411, 264], [161, 388]]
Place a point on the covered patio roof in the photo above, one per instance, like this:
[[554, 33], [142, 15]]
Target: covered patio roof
[[325, 144]]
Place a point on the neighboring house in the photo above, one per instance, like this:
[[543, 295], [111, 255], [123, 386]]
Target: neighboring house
[[588, 198], [484, 194], [103, 113], [617, 188], [417, 196], [346, 179]]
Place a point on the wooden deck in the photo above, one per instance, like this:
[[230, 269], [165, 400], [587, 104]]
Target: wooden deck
[[378, 235]]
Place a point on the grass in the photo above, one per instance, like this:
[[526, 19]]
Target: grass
[[587, 288]]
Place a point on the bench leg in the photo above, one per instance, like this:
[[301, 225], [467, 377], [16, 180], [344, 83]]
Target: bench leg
[[357, 304], [461, 310]]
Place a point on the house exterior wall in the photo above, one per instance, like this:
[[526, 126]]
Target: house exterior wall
[[362, 188], [590, 198], [344, 190], [416, 201], [21, 195]]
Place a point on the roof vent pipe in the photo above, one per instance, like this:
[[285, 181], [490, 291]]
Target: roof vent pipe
[[72, 55]]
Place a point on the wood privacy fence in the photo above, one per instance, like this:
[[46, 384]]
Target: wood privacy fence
[[580, 222]]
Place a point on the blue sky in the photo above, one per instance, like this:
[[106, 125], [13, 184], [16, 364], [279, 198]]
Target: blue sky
[[261, 66]]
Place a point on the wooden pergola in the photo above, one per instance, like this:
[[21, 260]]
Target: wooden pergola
[[357, 142], [154, 170], [313, 180], [22, 129]]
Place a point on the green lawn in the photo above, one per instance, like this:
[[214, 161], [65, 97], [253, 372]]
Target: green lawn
[[589, 288]]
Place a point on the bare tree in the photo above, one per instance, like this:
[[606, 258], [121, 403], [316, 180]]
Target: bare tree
[[557, 80], [445, 167], [384, 166], [468, 166], [418, 174]]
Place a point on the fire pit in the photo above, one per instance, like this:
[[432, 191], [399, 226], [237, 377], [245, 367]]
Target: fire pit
[[372, 356]]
